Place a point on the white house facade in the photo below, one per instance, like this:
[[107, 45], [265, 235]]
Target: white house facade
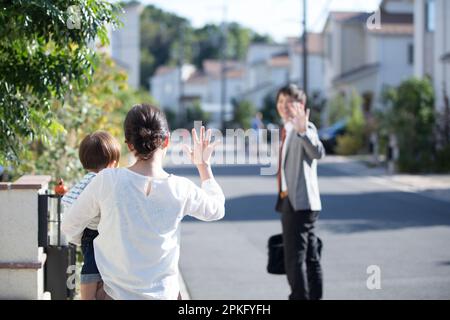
[[316, 66], [266, 68], [432, 45], [174, 90], [166, 86], [368, 59]]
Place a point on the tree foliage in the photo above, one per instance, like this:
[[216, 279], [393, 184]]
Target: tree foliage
[[269, 109], [411, 117], [354, 140], [244, 111], [195, 112], [338, 108], [102, 106], [316, 102], [167, 39], [45, 54]]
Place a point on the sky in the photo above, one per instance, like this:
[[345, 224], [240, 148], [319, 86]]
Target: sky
[[278, 18]]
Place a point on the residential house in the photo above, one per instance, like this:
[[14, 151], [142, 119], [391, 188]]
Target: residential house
[[369, 57], [432, 45], [267, 67], [177, 90], [167, 85], [315, 62], [205, 86]]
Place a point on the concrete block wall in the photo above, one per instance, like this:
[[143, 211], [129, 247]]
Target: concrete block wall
[[21, 259]]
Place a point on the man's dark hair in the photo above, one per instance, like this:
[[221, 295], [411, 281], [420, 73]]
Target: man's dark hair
[[294, 92]]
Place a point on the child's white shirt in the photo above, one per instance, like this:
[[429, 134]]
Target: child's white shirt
[[71, 196], [138, 246]]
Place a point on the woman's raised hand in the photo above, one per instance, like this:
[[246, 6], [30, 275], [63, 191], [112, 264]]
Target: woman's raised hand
[[202, 149]]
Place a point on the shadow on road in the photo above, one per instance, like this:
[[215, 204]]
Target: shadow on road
[[331, 170], [228, 170], [347, 213], [324, 170]]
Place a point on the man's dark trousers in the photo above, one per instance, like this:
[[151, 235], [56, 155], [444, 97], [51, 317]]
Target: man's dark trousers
[[301, 252]]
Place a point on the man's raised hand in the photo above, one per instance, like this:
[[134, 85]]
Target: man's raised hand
[[299, 117]]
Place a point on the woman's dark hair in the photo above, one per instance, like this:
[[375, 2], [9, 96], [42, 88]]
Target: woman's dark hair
[[294, 92], [146, 129]]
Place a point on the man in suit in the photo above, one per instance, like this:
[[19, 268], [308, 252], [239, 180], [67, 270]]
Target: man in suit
[[298, 194]]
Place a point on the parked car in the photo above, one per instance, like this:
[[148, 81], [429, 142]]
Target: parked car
[[329, 135]]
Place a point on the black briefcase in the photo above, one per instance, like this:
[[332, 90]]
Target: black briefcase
[[275, 264], [276, 255]]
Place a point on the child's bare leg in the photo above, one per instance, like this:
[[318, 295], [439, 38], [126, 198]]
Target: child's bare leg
[[101, 294], [88, 291]]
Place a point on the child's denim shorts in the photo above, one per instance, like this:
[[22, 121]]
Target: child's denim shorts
[[89, 271]]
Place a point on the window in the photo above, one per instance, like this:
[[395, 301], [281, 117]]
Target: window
[[430, 15], [410, 54]]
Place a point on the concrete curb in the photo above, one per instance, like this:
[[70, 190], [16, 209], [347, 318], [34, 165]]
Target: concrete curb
[[185, 295]]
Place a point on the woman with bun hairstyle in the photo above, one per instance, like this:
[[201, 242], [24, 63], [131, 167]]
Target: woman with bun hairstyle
[[141, 207]]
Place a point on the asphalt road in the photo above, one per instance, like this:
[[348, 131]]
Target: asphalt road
[[363, 223]]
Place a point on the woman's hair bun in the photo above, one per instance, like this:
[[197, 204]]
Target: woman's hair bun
[[145, 133], [146, 129]]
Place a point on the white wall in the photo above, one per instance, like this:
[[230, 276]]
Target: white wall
[[393, 58], [399, 6], [316, 72], [263, 52], [431, 46], [366, 83], [166, 89], [19, 242], [354, 48], [332, 54], [391, 53], [213, 104], [279, 76], [210, 95], [257, 74], [419, 37], [256, 97], [235, 87], [442, 47], [125, 44], [199, 89], [258, 81]]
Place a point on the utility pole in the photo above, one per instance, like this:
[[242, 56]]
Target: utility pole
[[223, 75], [305, 49], [181, 108]]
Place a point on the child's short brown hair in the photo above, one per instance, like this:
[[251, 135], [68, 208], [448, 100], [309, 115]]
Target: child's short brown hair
[[98, 150]]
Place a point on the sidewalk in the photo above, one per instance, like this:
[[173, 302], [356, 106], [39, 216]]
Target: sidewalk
[[436, 186]]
